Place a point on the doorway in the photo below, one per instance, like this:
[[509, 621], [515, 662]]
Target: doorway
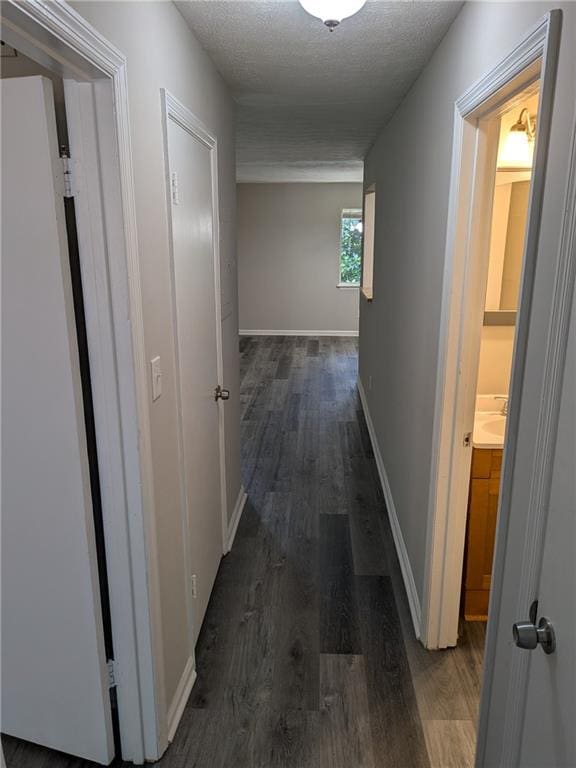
[[479, 117], [50, 496], [95, 100], [491, 359], [16, 65], [498, 259]]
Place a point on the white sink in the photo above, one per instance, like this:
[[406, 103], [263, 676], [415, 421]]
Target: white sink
[[495, 427], [489, 430]]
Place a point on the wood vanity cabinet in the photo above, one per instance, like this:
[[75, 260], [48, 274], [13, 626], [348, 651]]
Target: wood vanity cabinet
[[481, 531]]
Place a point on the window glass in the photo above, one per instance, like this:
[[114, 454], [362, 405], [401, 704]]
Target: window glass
[[351, 247]]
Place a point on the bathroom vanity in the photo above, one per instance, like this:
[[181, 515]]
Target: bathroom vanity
[[487, 441]]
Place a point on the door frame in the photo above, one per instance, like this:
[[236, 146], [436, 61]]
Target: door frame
[[473, 167], [58, 38], [176, 111]]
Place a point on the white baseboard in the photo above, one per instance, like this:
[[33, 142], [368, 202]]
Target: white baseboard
[[245, 332], [402, 552], [235, 519], [181, 697]]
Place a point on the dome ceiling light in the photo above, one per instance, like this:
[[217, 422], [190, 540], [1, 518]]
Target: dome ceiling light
[[332, 12]]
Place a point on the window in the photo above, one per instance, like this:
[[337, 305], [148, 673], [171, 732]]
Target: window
[[350, 248], [368, 252]]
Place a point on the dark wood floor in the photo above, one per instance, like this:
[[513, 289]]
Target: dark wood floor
[[307, 657]]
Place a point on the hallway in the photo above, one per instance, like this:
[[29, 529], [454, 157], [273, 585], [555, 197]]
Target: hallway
[[291, 281], [307, 656]]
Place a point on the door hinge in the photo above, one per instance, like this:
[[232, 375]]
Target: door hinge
[[112, 675], [467, 441], [175, 188], [194, 586], [66, 171]]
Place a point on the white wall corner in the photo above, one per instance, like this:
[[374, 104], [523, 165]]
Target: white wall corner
[[235, 519], [401, 551]]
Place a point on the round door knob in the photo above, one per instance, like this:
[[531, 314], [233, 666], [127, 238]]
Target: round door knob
[[525, 635]]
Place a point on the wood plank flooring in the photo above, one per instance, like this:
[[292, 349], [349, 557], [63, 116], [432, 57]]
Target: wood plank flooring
[[307, 656]]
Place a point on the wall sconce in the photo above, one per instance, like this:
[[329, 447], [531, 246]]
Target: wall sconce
[[518, 150]]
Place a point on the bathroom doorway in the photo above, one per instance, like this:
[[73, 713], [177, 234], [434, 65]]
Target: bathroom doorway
[[493, 366], [495, 252], [501, 135]]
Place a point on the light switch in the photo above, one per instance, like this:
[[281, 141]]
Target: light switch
[[156, 378]]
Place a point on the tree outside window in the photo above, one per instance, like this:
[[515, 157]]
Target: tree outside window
[[351, 247]]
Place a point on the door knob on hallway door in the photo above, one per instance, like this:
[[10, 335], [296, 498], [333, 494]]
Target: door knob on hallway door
[[527, 635], [221, 394]]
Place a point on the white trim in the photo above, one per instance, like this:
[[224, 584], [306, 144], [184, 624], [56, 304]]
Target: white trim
[[248, 332], [401, 551], [186, 119], [59, 38], [235, 519], [183, 690], [349, 286]]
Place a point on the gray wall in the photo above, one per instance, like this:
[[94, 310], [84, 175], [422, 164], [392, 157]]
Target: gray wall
[[288, 257], [163, 53], [410, 164]]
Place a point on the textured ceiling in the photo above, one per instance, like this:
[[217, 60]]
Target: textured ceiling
[[310, 102]]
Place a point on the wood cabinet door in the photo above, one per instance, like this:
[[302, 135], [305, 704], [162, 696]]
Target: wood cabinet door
[[483, 511]]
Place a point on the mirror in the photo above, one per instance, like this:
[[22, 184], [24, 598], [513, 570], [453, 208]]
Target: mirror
[[509, 217]]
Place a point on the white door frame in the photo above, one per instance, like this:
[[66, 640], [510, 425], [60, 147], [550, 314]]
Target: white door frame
[[472, 169], [57, 37]]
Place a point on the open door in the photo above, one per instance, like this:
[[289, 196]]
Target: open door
[[548, 733], [54, 671], [528, 706]]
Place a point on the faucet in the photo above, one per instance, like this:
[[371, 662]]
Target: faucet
[[504, 409]]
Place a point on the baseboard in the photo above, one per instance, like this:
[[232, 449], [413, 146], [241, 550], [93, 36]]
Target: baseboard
[[245, 332], [235, 519], [181, 697], [402, 552]]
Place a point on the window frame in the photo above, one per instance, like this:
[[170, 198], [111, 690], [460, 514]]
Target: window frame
[[369, 227]]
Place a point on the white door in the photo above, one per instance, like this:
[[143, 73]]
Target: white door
[[549, 727], [190, 169], [528, 706], [54, 681]]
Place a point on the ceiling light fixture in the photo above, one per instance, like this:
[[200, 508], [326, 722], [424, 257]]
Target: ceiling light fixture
[[518, 150], [332, 12]]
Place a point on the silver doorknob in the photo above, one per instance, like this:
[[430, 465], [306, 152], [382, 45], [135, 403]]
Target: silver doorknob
[[221, 394], [527, 635]]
